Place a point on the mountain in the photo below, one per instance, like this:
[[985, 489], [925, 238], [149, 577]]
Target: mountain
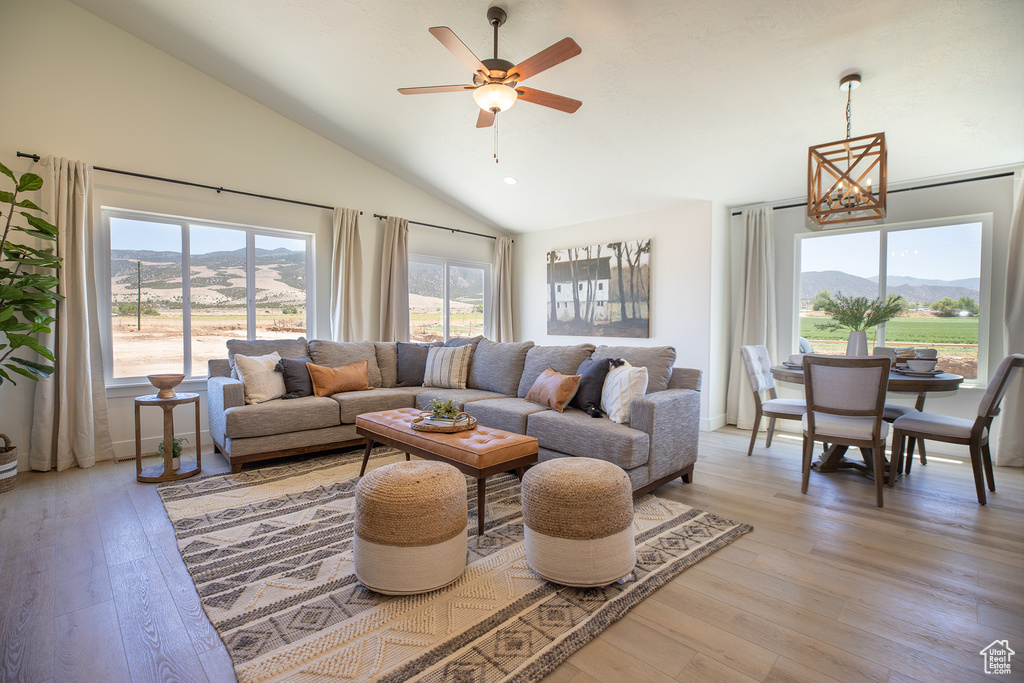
[[427, 279], [914, 290]]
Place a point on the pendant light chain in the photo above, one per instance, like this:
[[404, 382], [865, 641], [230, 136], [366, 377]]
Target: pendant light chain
[[495, 138], [849, 97]]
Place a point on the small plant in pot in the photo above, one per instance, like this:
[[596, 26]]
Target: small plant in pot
[[858, 314], [443, 411], [28, 292]]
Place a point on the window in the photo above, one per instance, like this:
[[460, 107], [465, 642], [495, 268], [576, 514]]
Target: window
[[241, 283], [936, 268], [447, 298]]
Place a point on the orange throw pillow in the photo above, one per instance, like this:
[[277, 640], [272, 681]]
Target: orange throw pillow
[[553, 389], [327, 381]]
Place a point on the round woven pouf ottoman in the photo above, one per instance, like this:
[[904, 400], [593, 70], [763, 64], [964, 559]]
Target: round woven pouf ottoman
[[410, 527], [578, 519]]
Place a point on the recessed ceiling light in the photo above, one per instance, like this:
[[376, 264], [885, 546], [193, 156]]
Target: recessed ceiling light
[[509, 180]]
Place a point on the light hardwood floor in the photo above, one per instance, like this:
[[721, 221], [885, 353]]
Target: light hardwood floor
[[827, 586]]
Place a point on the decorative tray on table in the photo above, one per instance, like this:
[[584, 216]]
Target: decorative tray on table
[[460, 423]]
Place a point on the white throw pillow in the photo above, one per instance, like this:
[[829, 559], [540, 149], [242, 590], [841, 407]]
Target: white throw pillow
[[260, 381], [622, 386]]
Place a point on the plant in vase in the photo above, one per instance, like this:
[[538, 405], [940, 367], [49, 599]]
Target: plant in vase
[[28, 290], [858, 314], [445, 411]]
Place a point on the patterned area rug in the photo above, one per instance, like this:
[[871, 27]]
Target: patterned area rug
[[270, 551]]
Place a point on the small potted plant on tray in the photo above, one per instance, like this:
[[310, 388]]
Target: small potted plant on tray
[[857, 314]]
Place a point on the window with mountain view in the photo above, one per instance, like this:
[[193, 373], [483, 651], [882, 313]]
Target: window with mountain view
[[242, 283], [936, 269], [447, 298]]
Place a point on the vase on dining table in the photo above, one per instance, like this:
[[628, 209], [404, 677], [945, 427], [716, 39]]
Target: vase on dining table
[[857, 345]]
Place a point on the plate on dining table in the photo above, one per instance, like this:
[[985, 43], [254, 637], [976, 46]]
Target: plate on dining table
[[911, 373], [793, 366]]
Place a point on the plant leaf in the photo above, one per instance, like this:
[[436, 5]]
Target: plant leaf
[[41, 369], [20, 371], [6, 312], [29, 182], [6, 197], [7, 172], [39, 224], [7, 377], [26, 204]]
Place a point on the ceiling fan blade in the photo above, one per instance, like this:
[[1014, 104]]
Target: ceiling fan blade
[[485, 119], [434, 88], [546, 99], [459, 49], [546, 58]]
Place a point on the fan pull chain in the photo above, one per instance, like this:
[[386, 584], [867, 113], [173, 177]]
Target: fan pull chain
[[495, 138]]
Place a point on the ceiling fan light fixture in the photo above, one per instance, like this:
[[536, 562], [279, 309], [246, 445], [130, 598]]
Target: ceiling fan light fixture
[[495, 97]]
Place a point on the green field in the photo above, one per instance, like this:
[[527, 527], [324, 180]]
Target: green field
[[930, 331]]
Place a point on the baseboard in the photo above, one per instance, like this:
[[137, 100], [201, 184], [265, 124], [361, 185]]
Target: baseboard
[[125, 450], [712, 423]]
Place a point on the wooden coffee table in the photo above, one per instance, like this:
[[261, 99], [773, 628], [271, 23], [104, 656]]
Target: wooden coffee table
[[478, 452]]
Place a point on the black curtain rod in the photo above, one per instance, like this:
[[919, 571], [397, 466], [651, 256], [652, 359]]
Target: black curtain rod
[[35, 157], [442, 227], [906, 189]]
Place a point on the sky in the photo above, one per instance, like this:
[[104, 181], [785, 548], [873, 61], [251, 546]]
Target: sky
[[131, 234], [943, 253]]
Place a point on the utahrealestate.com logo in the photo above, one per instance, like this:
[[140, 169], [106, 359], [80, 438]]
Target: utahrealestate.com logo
[[997, 656]]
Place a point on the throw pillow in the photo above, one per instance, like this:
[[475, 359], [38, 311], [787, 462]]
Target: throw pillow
[[412, 363], [498, 366], [327, 381], [592, 375], [447, 367], [623, 385], [553, 389], [286, 348], [296, 377], [259, 381]]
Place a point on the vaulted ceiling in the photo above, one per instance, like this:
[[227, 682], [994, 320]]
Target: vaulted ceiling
[[682, 99]]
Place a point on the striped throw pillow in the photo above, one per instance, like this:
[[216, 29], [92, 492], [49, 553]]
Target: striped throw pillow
[[447, 367]]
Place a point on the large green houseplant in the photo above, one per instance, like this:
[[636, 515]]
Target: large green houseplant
[[858, 314], [28, 291]]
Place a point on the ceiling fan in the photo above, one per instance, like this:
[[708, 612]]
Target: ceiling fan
[[496, 81]]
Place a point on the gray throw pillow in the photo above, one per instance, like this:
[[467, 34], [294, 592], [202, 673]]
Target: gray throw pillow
[[286, 348], [332, 354], [412, 361], [297, 382], [562, 359]]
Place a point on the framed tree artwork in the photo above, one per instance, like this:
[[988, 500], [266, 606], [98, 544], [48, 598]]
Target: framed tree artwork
[[603, 290]]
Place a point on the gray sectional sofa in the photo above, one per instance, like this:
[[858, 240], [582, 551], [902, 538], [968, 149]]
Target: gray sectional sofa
[[658, 445]]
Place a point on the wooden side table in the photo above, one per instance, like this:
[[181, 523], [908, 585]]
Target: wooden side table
[[165, 471]]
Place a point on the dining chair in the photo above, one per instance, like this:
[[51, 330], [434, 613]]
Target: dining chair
[[894, 411], [974, 434], [759, 371], [845, 402]]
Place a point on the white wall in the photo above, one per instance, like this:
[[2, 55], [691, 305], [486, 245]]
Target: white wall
[[681, 280], [994, 196], [81, 88]]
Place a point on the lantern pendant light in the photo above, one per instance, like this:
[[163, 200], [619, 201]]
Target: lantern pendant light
[[846, 180]]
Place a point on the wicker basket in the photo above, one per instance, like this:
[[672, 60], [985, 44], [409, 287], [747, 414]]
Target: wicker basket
[[8, 464], [420, 425]]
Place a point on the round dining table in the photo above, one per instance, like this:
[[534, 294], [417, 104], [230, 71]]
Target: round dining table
[[834, 456]]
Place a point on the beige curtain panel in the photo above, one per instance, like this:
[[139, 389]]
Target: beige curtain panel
[[501, 291], [394, 281], [755, 312], [347, 278], [69, 419], [1010, 451]]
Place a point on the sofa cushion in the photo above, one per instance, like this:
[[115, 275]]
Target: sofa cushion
[[281, 417], [623, 385], [387, 362], [333, 354], [447, 368], [498, 366], [471, 342], [460, 396], [563, 359], [297, 382], [592, 375], [576, 433], [355, 403], [286, 348], [509, 414], [412, 363], [657, 359], [330, 381], [553, 389], [261, 382]]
